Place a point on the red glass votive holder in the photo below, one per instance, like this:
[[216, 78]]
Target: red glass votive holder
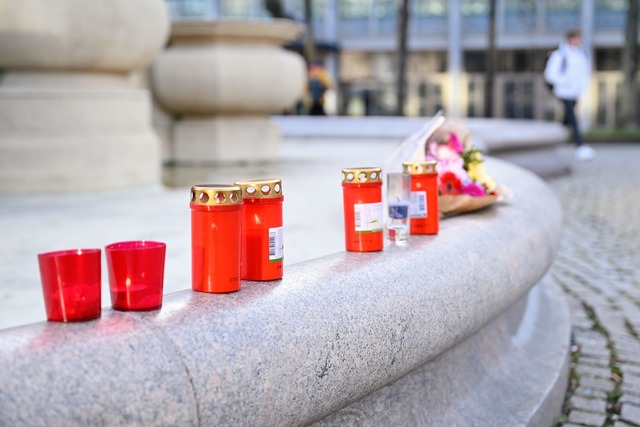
[[71, 284], [136, 274]]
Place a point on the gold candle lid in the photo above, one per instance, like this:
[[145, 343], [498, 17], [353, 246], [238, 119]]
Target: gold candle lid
[[419, 168], [260, 188], [216, 195], [361, 175]]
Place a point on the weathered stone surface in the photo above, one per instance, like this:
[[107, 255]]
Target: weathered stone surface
[[481, 380], [70, 118], [221, 80], [111, 371], [333, 331]]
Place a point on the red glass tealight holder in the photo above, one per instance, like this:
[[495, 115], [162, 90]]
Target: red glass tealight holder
[[71, 284], [136, 274]]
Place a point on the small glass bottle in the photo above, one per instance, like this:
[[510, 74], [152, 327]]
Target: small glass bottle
[[423, 211], [216, 215], [398, 200], [363, 219]]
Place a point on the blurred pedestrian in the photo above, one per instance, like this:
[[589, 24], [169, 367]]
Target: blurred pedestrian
[[568, 72], [319, 83]]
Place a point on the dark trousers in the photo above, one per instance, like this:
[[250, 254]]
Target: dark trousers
[[317, 109], [571, 120]]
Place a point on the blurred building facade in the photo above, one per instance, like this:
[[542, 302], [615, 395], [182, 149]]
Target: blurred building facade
[[447, 42]]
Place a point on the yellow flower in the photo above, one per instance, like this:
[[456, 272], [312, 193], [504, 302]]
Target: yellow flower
[[478, 173]]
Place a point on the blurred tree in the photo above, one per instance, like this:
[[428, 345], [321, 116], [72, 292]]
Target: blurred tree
[[309, 40], [490, 66], [401, 83], [630, 66]]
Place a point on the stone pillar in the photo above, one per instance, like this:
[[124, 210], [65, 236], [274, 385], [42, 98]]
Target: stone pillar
[[454, 66], [70, 118], [221, 80]]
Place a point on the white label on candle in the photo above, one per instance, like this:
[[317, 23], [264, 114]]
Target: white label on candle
[[418, 207], [368, 217], [276, 244]]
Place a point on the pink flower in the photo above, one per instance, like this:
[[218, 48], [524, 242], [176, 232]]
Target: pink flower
[[473, 189], [455, 144]]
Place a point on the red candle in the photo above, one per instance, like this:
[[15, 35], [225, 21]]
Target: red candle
[[262, 230], [216, 212], [363, 220], [423, 210], [71, 284], [136, 274]]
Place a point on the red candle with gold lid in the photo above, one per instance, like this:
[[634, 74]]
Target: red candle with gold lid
[[362, 196], [423, 210], [262, 229], [216, 212]]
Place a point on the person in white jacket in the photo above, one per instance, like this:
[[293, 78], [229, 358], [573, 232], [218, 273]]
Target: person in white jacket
[[568, 70]]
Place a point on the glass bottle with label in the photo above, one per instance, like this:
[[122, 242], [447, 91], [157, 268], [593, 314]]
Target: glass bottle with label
[[262, 230], [363, 219], [423, 210], [398, 200], [216, 212]]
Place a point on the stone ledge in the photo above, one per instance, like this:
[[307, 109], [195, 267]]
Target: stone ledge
[[333, 331], [531, 144]]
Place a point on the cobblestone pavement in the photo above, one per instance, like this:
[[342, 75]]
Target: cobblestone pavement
[[598, 266]]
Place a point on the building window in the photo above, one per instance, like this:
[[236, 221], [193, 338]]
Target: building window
[[475, 16], [610, 14], [520, 15], [562, 14]]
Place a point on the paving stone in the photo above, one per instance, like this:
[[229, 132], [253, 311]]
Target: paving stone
[[630, 358], [593, 371], [588, 418], [630, 369], [630, 413], [591, 393], [629, 399], [588, 405]]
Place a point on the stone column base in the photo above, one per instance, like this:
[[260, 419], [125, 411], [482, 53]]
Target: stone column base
[[75, 137], [226, 139]]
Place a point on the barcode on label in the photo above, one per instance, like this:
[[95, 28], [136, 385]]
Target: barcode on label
[[418, 207], [272, 245], [358, 213], [276, 244]]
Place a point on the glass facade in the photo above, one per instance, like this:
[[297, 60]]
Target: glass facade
[[529, 29]]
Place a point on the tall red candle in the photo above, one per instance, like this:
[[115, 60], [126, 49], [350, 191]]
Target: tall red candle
[[423, 210], [216, 212], [262, 229], [363, 220]]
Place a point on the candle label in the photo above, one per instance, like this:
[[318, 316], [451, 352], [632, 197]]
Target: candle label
[[368, 217], [398, 209], [276, 244], [418, 207]]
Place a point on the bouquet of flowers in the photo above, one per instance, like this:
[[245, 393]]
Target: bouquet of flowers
[[463, 183]]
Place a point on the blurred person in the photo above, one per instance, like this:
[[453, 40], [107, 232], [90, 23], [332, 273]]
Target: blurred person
[[319, 83], [568, 72]]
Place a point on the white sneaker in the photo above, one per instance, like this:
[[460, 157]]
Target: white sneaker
[[584, 153]]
